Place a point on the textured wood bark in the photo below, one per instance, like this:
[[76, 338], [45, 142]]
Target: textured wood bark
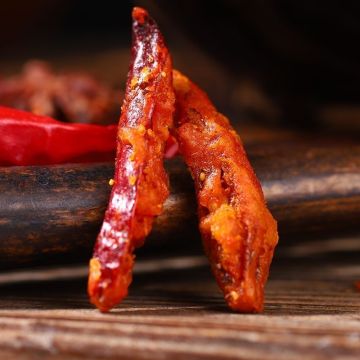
[[49, 212]]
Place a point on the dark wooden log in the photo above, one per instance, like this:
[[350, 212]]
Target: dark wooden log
[[53, 213]]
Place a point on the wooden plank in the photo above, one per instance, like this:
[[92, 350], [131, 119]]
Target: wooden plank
[[176, 312]]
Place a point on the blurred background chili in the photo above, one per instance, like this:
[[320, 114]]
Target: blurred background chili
[[289, 63]]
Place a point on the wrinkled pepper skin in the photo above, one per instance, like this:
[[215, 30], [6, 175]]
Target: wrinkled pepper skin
[[239, 233], [28, 139], [140, 184]]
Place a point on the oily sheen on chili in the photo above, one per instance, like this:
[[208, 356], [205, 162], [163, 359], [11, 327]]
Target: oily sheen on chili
[[140, 184], [29, 139]]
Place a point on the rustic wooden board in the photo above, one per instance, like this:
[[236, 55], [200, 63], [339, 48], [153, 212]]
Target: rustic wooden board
[[174, 311]]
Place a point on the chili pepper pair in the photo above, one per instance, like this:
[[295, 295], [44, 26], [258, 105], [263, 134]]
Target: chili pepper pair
[[238, 231]]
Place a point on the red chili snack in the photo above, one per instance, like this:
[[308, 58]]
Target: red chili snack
[[239, 233], [140, 184], [28, 139], [71, 97]]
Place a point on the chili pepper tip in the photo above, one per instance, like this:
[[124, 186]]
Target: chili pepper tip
[[140, 15]]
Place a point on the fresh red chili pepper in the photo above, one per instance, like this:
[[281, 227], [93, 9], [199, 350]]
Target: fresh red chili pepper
[[357, 284], [28, 139], [171, 148], [140, 184], [239, 233]]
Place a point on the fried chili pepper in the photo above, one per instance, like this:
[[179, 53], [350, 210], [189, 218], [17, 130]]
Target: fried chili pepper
[[239, 233], [28, 139], [70, 97], [140, 184]]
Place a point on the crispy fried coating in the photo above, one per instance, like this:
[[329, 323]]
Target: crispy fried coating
[[239, 233]]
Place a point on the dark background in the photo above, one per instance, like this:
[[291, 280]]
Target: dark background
[[293, 63]]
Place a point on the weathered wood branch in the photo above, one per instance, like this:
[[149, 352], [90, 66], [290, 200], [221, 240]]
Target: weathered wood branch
[[54, 212]]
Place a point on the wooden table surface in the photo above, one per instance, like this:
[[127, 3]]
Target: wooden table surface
[[175, 311]]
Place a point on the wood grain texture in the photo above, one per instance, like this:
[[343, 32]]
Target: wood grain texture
[[49, 212], [178, 313]]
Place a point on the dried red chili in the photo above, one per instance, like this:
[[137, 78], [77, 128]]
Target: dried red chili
[[239, 233], [28, 139], [70, 97], [140, 183]]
